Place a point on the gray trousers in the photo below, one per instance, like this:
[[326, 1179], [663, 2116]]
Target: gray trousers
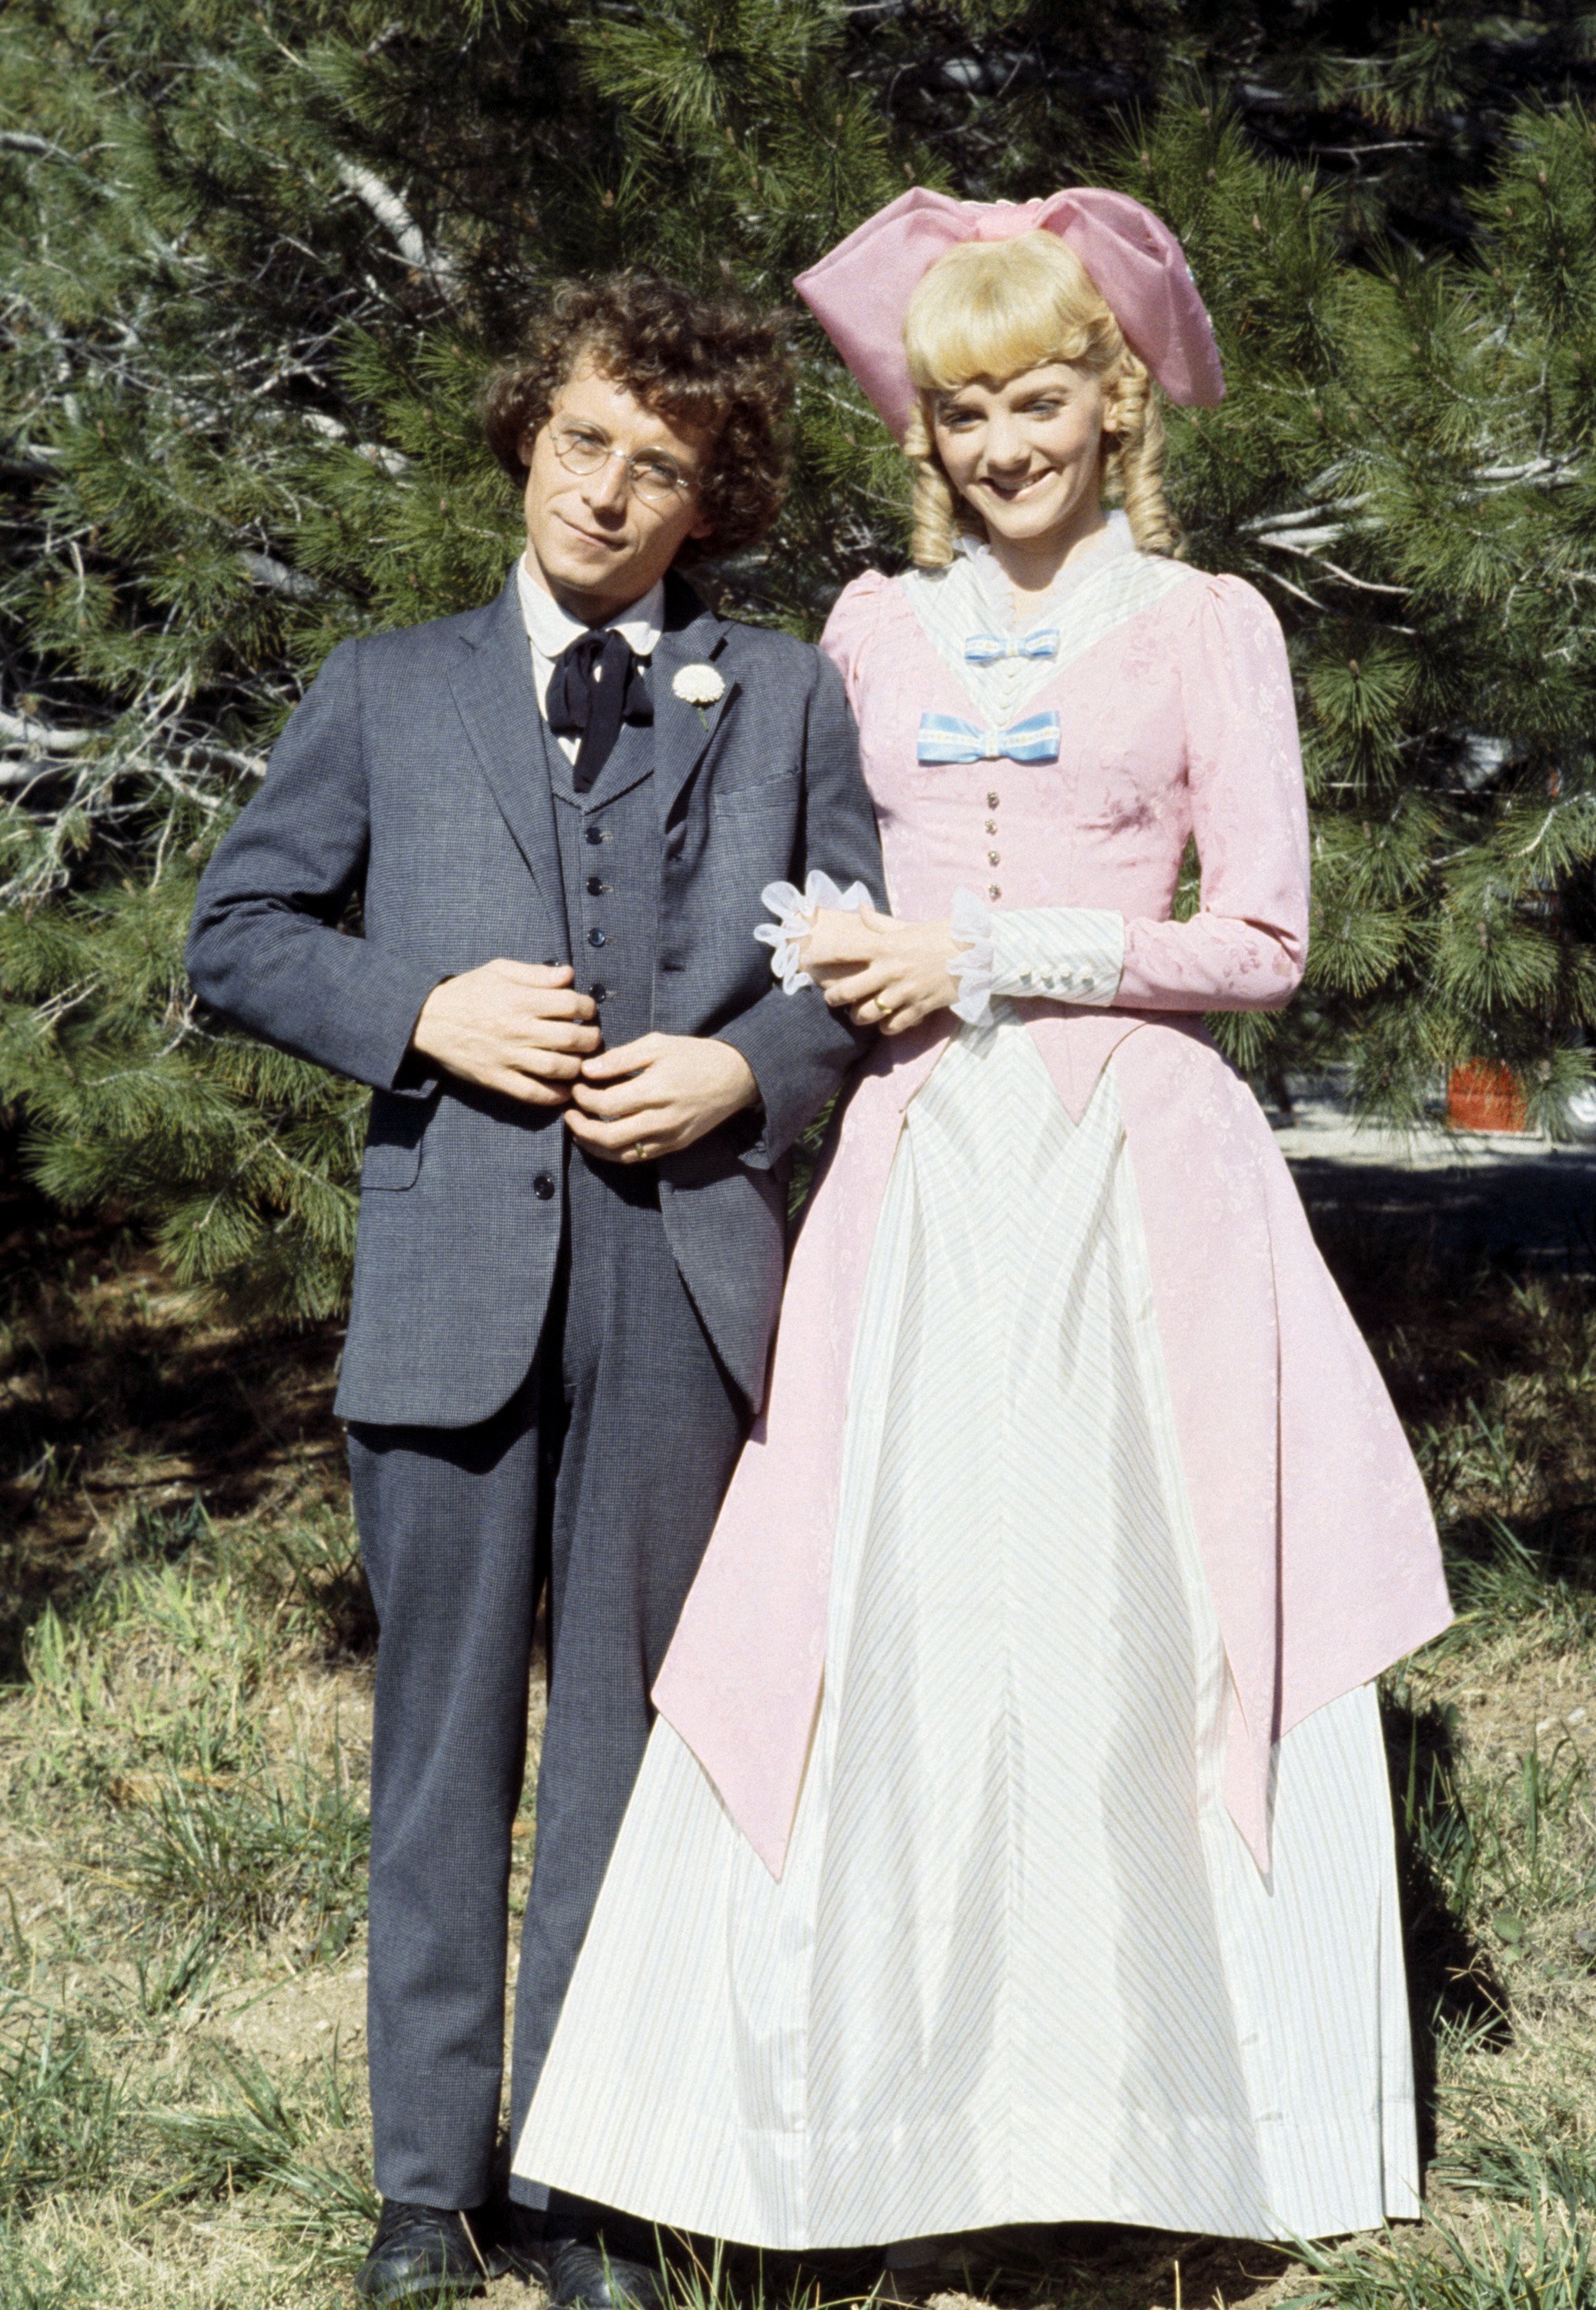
[[601, 1479]]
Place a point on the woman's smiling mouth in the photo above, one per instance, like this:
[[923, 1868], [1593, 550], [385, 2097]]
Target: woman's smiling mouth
[[1009, 490]]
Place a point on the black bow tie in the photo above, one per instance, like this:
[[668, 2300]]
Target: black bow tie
[[597, 683]]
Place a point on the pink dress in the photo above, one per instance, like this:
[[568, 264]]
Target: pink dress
[[1014, 1844]]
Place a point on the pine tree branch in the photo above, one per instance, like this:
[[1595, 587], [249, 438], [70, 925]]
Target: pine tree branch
[[24, 730], [1545, 472], [1304, 540], [277, 578], [1297, 592], [391, 212], [1266, 525], [392, 461], [1331, 568]]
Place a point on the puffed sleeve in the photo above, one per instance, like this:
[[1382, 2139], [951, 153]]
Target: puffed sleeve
[[851, 628], [1245, 947]]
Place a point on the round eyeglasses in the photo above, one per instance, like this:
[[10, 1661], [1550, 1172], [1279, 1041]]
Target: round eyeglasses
[[657, 479]]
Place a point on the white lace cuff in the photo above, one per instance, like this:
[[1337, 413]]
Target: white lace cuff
[[1057, 954], [794, 911], [972, 919]]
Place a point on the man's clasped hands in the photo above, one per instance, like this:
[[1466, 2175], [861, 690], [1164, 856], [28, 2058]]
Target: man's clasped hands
[[525, 1029]]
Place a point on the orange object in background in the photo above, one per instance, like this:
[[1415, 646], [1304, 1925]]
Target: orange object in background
[[1484, 1097]]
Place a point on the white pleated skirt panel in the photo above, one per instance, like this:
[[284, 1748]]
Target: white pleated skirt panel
[[1020, 1965]]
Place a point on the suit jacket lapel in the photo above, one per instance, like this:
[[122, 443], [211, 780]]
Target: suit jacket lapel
[[693, 636], [494, 696]]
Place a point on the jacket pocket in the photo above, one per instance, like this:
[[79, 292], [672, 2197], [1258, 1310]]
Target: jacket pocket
[[780, 793], [390, 1167], [393, 1143]]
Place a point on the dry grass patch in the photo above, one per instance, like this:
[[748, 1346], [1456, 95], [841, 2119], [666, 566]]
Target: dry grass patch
[[183, 1750]]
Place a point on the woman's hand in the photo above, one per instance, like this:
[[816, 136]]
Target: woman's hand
[[883, 972]]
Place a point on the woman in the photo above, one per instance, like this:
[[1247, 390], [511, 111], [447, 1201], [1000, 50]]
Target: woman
[[1015, 1846]]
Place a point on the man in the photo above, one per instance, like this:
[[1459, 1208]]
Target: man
[[557, 813]]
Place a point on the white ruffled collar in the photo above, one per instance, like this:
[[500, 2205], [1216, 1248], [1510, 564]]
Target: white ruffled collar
[[996, 596], [971, 595]]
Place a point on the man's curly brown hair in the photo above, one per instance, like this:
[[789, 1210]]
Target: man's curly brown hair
[[714, 362]]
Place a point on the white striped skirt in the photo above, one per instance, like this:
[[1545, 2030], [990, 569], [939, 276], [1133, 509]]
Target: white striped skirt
[[1019, 1966]]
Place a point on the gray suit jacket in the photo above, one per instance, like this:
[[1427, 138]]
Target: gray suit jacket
[[410, 778]]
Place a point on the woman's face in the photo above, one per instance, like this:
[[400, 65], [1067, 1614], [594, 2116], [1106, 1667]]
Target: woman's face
[[1026, 453]]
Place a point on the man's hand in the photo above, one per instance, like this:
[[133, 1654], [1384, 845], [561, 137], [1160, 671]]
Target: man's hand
[[518, 1028], [657, 1095], [883, 972]]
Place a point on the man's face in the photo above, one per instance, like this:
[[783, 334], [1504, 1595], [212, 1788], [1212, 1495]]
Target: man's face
[[596, 540]]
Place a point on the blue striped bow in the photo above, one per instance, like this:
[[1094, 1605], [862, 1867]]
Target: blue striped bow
[[987, 649], [944, 738]]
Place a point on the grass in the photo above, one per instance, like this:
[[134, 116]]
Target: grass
[[187, 1646], [62, 2114], [1541, 2259]]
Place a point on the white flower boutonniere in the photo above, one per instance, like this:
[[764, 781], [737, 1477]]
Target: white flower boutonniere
[[697, 685]]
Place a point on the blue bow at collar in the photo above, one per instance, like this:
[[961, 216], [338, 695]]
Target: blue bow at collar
[[987, 649], [944, 738]]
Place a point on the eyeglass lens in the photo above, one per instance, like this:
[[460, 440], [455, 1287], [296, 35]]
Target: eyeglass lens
[[654, 479]]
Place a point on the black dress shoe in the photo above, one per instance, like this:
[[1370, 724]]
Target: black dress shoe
[[581, 2276], [425, 2252], [511, 2238]]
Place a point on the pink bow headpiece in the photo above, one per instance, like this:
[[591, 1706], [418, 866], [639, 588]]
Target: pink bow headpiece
[[860, 293]]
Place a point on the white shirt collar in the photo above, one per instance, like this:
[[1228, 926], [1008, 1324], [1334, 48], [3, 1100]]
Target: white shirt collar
[[550, 629]]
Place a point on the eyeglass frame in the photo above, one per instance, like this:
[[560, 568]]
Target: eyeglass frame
[[681, 486]]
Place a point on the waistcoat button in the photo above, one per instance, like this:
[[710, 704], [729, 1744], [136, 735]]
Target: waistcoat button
[[596, 938], [599, 991], [597, 886], [593, 834], [543, 1186]]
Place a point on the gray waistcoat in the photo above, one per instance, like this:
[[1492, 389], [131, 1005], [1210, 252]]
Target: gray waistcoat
[[609, 864]]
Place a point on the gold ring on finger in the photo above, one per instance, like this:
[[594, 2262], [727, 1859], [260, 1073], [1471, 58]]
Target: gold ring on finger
[[642, 1151]]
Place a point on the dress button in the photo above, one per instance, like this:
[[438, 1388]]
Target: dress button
[[992, 891], [543, 1186], [993, 858], [991, 800], [597, 886], [593, 834], [596, 938], [992, 826], [599, 991]]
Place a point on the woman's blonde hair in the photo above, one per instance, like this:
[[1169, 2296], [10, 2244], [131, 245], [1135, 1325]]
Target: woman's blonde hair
[[994, 308]]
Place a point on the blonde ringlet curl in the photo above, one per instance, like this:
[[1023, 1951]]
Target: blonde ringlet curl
[[994, 309]]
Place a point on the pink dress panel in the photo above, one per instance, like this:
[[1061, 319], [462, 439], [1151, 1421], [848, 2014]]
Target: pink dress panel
[[1315, 1532]]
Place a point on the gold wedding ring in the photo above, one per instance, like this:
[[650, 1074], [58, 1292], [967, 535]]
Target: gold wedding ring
[[884, 1010], [642, 1150]]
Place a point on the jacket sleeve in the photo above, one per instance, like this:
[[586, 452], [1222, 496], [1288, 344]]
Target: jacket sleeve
[[1246, 946], [265, 948], [799, 1048]]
